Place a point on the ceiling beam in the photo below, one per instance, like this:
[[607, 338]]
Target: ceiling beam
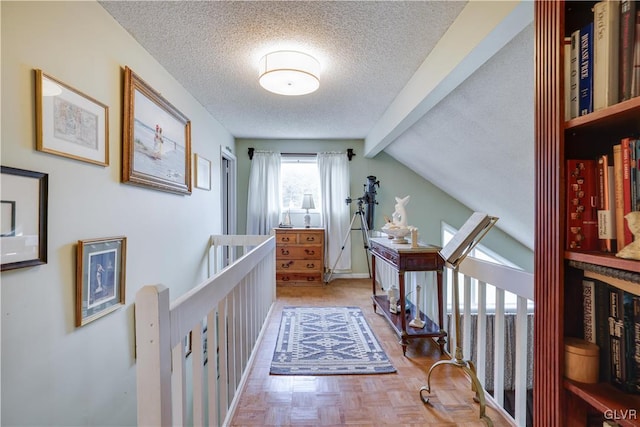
[[479, 32]]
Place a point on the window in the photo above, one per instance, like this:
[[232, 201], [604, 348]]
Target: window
[[485, 254], [298, 175]]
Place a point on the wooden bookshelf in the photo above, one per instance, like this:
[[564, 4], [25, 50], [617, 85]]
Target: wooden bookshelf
[[558, 276], [608, 400]]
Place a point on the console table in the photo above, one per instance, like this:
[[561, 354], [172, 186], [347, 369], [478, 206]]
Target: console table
[[403, 258]]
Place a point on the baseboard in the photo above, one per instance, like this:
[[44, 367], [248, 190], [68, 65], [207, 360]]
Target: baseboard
[[350, 276]]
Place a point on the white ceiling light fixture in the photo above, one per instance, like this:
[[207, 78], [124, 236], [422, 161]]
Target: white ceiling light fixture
[[288, 72]]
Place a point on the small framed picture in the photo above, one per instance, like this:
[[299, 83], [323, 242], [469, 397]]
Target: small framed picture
[[23, 218], [156, 151], [202, 172], [100, 277], [70, 123]]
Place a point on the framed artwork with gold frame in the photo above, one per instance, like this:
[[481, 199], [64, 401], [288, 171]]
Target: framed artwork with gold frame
[[70, 123], [156, 150], [100, 277]]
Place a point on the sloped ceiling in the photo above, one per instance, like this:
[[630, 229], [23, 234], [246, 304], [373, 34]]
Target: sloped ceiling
[[418, 79]]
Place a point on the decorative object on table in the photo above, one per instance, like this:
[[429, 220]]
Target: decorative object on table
[[156, 140], [100, 277], [414, 237], [202, 171], [23, 217], [632, 250], [286, 220], [70, 123], [394, 306], [417, 322], [307, 203], [397, 227], [327, 341], [461, 245]]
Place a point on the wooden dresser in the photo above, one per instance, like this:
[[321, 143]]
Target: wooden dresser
[[299, 256]]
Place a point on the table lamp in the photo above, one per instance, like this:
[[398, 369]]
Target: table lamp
[[307, 203]]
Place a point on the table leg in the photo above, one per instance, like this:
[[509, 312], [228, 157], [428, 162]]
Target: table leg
[[373, 280], [403, 315], [441, 340]]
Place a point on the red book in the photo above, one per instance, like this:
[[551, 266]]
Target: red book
[[627, 41], [606, 204], [627, 145], [582, 216]]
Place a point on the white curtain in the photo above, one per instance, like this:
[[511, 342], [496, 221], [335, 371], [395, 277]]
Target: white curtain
[[263, 201], [334, 189]]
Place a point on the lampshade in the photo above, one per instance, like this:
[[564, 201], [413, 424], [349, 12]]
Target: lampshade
[[288, 72], [307, 202]]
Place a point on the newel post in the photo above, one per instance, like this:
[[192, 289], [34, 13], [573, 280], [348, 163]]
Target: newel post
[[153, 353]]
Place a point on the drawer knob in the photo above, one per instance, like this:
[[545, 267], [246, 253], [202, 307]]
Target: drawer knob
[[311, 239], [311, 265], [310, 252], [284, 251], [284, 239], [286, 264]]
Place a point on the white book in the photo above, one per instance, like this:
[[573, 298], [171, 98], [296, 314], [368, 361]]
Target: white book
[[606, 27], [574, 76]]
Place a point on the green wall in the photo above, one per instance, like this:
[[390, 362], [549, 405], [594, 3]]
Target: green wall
[[427, 209]]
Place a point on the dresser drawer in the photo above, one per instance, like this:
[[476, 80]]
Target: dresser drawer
[[299, 265], [286, 237], [299, 252], [310, 237], [285, 277]]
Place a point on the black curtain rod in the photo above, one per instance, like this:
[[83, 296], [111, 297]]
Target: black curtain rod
[[350, 153]]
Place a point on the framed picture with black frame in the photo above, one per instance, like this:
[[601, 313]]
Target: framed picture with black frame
[[23, 237]]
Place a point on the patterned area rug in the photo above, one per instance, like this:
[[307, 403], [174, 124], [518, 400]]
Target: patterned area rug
[[327, 341]]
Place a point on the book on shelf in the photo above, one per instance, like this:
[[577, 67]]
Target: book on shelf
[[635, 75], [626, 146], [585, 85], [574, 67], [635, 175], [582, 215], [606, 18], [619, 196], [634, 353], [626, 47], [589, 310], [606, 204], [596, 321]]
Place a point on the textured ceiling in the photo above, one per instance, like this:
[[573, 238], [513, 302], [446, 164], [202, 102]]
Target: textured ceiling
[[479, 137], [367, 50]]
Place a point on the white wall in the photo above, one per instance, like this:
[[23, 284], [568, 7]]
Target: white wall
[[52, 372]]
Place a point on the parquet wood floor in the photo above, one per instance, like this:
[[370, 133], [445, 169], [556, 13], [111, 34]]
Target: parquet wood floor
[[356, 400]]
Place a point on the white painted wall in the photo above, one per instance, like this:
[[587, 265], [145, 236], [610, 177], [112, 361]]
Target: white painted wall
[[52, 372]]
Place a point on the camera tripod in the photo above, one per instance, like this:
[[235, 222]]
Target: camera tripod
[[365, 238]]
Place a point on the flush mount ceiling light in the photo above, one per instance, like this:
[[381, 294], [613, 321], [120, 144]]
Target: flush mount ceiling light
[[288, 72]]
